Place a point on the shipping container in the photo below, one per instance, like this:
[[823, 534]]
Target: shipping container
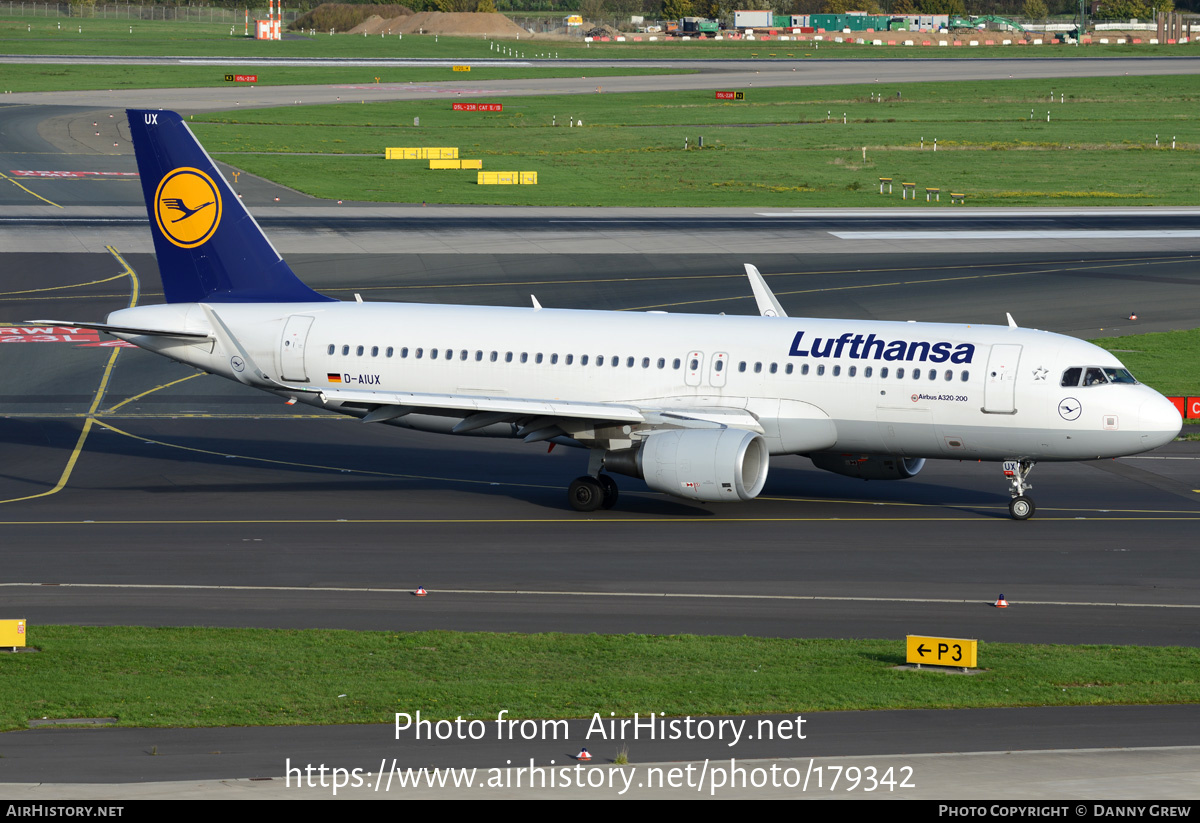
[[752, 19]]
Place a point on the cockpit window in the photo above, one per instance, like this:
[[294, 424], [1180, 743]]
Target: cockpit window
[[1094, 377], [1071, 376], [1119, 376]]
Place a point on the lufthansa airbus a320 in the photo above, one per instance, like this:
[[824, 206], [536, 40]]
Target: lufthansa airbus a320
[[695, 405]]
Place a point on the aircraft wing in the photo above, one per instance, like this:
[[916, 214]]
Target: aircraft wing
[[537, 419]]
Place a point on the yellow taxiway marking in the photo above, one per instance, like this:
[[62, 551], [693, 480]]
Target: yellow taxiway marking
[[99, 395], [58, 288], [401, 476], [579, 520], [1083, 266], [34, 193], [570, 593], [739, 276], [112, 409], [296, 464], [929, 281]]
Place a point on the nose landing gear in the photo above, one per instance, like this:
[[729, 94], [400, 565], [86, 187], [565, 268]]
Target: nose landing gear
[[1017, 471]]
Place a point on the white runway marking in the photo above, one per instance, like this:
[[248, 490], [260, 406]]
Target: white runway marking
[[526, 593], [1036, 234]]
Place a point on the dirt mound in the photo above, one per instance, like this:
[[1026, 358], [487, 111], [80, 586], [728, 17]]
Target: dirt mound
[[378, 25], [602, 31], [458, 23], [344, 16]]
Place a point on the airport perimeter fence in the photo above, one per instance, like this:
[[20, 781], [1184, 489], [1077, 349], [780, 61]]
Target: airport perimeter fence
[[130, 11]]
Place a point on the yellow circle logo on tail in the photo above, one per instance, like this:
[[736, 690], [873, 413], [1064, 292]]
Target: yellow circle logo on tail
[[187, 207]]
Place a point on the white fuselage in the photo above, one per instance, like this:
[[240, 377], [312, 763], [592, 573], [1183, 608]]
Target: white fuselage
[[887, 388]]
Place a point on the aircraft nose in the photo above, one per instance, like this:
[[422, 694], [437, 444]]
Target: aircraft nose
[[1160, 421]]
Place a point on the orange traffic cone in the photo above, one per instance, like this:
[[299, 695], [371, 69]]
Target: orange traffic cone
[[1001, 603], [583, 755], [420, 592]]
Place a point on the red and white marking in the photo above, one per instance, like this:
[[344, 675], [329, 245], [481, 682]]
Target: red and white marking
[[82, 338], [71, 174]]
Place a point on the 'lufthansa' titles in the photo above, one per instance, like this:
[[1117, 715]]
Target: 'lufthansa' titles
[[870, 347]]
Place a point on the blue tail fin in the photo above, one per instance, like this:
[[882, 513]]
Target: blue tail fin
[[208, 246]]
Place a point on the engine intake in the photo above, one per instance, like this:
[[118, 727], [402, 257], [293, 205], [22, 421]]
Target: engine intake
[[715, 465]]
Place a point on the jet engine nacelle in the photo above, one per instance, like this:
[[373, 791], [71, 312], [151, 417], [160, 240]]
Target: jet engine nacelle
[[716, 465], [868, 466]]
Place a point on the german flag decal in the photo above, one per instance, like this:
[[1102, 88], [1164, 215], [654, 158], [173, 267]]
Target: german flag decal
[[333, 378]]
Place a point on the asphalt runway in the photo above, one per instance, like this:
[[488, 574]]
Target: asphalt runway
[[192, 501], [218, 473]]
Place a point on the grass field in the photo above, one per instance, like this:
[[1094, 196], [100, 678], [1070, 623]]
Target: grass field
[[232, 677], [1167, 361], [18, 78], [49, 35], [779, 147]]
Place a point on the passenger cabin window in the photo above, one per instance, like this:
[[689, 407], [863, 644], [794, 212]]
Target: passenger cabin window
[[332, 348]]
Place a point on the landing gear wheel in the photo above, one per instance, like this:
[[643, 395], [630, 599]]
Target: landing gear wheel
[[586, 494], [609, 486], [1021, 508]]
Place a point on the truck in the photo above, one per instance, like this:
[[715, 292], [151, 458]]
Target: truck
[[695, 26]]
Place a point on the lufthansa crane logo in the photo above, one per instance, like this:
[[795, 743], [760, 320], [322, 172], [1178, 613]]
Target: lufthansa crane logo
[[187, 207]]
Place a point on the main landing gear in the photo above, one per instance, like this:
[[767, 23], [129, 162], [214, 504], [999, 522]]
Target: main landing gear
[[594, 490], [1017, 471], [587, 493]]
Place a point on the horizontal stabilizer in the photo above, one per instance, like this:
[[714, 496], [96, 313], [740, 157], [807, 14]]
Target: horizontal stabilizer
[[111, 329]]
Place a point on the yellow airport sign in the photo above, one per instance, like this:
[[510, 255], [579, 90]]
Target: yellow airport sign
[[462, 68], [942, 651], [12, 633]]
